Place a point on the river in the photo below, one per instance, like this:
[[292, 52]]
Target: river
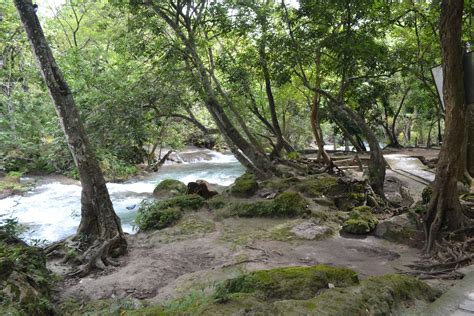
[[51, 210]]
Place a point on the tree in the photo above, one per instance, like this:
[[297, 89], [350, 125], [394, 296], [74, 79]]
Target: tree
[[186, 20], [100, 233], [445, 209]]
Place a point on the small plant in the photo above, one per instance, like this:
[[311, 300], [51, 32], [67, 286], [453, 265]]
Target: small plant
[[15, 174], [12, 227]]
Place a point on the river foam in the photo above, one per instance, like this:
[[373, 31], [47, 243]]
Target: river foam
[[51, 211]]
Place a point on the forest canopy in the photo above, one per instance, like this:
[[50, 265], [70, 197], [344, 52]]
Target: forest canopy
[[138, 87]]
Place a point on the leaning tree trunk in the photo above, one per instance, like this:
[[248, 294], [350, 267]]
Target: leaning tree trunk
[[99, 224], [377, 162], [444, 209], [314, 119]]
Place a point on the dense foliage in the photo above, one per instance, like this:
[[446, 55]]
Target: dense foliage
[[138, 90]]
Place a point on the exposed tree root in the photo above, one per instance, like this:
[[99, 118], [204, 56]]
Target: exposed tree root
[[454, 251], [309, 166], [95, 256]]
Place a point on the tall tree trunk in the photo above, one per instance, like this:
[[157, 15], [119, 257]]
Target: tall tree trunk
[[99, 223], [377, 162], [444, 209], [257, 162], [394, 137], [249, 155], [314, 116], [271, 100], [470, 143]]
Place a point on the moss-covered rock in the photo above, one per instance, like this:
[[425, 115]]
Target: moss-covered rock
[[286, 204], [286, 283], [361, 221], [190, 202], [152, 216], [169, 188], [254, 294], [280, 184], [244, 186], [25, 282], [161, 214], [375, 296], [317, 186], [400, 228]]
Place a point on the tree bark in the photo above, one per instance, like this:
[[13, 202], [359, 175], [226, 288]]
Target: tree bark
[[377, 162], [470, 143], [444, 209], [99, 223], [249, 155], [314, 117]]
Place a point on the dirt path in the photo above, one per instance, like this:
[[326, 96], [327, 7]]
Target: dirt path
[[199, 252]]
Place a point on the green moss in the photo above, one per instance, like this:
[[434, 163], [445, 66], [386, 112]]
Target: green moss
[[151, 216], [116, 306], [217, 201], [375, 296], [25, 282], [317, 186], [191, 202], [161, 214], [244, 186], [361, 221], [170, 187], [286, 204], [280, 184], [286, 283], [289, 203]]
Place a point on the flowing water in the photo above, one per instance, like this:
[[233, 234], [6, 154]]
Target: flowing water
[[51, 209]]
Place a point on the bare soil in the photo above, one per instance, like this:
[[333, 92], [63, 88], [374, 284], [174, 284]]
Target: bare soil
[[201, 251]]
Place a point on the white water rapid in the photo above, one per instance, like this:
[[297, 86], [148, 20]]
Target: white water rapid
[[51, 210]]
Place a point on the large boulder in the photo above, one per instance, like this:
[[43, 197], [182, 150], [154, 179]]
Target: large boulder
[[361, 221], [201, 188], [244, 186], [169, 188], [401, 228], [311, 231], [153, 215], [286, 204]]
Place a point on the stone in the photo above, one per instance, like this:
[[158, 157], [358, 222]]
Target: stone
[[169, 188], [398, 228], [244, 186], [310, 231], [361, 221], [201, 188]]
